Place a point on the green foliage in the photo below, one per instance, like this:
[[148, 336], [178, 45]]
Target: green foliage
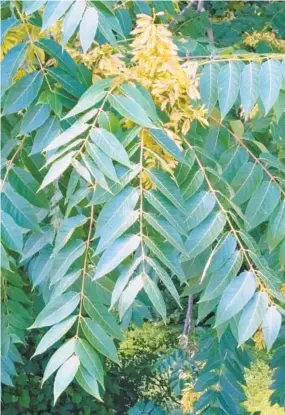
[[258, 380], [139, 351], [117, 183]]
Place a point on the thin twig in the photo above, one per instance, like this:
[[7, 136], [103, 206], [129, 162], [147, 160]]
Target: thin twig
[[23, 19], [85, 268], [10, 162], [141, 201]]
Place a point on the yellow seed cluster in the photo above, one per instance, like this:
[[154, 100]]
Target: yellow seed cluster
[[259, 340], [104, 60], [189, 399], [282, 289], [254, 38], [158, 68], [258, 390]]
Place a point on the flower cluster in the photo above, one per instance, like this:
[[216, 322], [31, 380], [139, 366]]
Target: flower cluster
[[253, 39], [158, 68], [189, 399]]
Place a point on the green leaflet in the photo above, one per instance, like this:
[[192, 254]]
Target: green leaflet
[[54, 334], [118, 226], [128, 136], [183, 170], [130, 110], [90, 360], [236, 296], [205, 308], [205, 234], [42, 265], [276, 226], [11, 233], [66, 230], [209, 85], [270, 78], [223, 252], [228, 86], [12, 61], [166, 230], [19, 209], [165, 278], [58, 358], [166, 254], [82, 171], [34, 118], [168, 187], [100, 314], [69, 82], [72, 20], [67, 281], [106, 29], [25, 185], [219, 280], [261, 204], [141, 95], [55, 50], [124, 202], [125, 176], [165, 208], [99, 339], [199, 207], [57, 310], [55, 155], [94, 94], [246, 181], [154, 295], [7, 24], [167, 144], [88, 27], [75, 199], [53, 100], [63, 260], [65, 376], [205, 380], [53, 11], [67, 136], [128, 296], [271, 325], [23, 92], [272, 161], [95, 172], [108, 143], [57, 169], [5, 260], [46, 135], [116, 253], [193, 184], [249, 86], [18, 295], [126, 272], [231, 160], [282, 254], [102, 161], [88, 383], [252, 316]]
